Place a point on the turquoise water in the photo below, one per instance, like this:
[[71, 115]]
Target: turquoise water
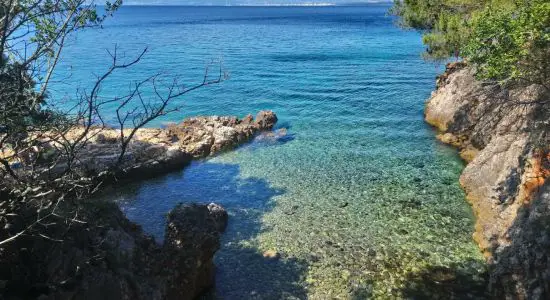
[[359, 198]]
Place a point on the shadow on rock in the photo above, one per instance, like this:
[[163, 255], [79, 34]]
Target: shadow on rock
[[522, 269], [242, 273]]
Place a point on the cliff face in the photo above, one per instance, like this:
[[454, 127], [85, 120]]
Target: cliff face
[[504, 135]]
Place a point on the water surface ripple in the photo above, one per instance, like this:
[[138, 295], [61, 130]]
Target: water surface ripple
[[359, 199]]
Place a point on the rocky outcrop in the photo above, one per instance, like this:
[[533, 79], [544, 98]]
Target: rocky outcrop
[[89, 250], [203, 136], [150, 152], [104, 256], [504, 135], [158, 150], [192, 238], [521, 270]]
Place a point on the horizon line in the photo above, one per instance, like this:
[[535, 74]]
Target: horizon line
[[259, 5]]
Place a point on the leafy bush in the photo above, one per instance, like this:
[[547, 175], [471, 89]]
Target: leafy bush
[[507, 40], [512, 44]]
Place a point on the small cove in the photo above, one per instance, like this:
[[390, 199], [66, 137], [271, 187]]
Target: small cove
[[358, 198]]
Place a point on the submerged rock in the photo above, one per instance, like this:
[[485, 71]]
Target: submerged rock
[[271, 254]]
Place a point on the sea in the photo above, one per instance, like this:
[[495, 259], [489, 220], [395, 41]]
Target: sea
[[354, 193]]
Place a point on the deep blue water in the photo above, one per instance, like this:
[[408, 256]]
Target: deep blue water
[[358, 195]]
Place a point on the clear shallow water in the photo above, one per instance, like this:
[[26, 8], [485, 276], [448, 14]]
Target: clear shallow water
[[359, 198]]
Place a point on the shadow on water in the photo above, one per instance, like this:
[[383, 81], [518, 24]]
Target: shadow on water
[[243, 272], [458, 281]]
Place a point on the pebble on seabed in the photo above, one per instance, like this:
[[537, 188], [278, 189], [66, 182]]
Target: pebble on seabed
[[271, 254]]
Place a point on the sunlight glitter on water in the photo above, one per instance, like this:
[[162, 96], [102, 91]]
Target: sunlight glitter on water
[[359, 199]]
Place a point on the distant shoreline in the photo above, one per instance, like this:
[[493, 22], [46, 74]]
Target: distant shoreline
[[264, 5]]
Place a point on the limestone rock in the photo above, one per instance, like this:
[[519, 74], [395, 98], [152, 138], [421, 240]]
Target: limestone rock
[[266, 119], [505, 137], [159, 150], [271, 254]]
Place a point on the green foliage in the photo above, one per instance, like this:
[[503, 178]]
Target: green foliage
[[444, 22], [32, 36], [18, 101], [41, 26], [512, 45], [505, 39]]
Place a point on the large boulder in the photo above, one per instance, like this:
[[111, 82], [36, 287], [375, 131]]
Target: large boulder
[[191, 239]]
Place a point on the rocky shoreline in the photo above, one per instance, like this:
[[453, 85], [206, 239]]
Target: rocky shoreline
[[504, 136], [102, 255], [154, 151]]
